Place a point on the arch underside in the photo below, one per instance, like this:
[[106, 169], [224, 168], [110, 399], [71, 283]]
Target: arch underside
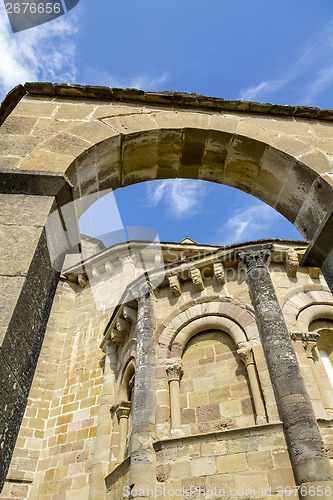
[[278, 179]]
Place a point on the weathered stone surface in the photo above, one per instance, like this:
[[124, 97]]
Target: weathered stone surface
[[22, 343], [18, 125], [16, 254], [154, 135], [10, 291], [24, 210], [31, 107], [18, 145], [292, 398]]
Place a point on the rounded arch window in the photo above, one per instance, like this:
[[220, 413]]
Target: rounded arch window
[[325, 344]]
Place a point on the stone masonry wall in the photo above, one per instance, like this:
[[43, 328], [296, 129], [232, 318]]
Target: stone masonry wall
[[55, 447], [214, 391], [246, 460], [222, 446]]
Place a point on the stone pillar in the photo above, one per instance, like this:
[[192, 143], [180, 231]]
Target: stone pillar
[[32, 250], [174, 374], [308, 457], [123, 412], [247, 357], [142, 473], [101, 462]]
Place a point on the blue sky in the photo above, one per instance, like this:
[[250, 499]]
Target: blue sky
[[279, 51]]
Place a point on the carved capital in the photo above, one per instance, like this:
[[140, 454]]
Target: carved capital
[[174, 372], [308, 339], [140, 290], [254, 259], [197, 279], [246, 355], [175, 285], [123, 410], [292, 263], [219, 272]]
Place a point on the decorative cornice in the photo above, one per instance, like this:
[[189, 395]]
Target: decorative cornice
[[109, 268], [96, 274]]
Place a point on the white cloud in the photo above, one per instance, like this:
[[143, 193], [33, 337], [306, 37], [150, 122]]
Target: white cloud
[[44, 53], [247, 224], [146, 82], [321, 82], [304, 76], [182, 197], [95, 76], [263, 88]]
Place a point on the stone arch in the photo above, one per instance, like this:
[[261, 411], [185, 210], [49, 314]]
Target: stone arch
[[302, 300], [255, 163], [216, 312], [213, 314], [210, 322], [312, 313], [103, 145]]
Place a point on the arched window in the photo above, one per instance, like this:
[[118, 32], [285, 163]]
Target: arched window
[[324, 345]]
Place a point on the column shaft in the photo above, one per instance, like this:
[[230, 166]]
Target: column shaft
[[256, 394], [97, 490], [308, 457], [175, 404], [142, 474], [246, 356], [123, 430]]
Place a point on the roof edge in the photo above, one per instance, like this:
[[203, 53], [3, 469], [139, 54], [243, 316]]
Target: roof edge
[[164, 98]]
